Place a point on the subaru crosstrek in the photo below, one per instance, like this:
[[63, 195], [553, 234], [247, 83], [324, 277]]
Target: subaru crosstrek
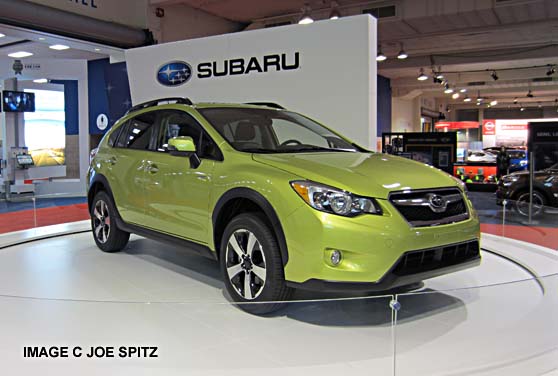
[[280, 200]]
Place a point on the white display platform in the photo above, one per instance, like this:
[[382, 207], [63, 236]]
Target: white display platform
[[495, 319]]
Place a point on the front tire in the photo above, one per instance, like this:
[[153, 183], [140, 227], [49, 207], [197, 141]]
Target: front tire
[[108, 237], [522, 204], [251, 264]]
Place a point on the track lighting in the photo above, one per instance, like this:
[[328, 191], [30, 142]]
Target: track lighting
[[515, 100], [402, 55], [448, 89], [334, 13], [530, 94], [494, 75], [551, 70], [455, 95], [522, 109], [463, 90], [494, 102], [380, 56], [306, 19], [467, 99], [422, 76]]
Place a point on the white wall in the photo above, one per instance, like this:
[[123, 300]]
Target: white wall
[[335, 83], [405, 115], [182, 22], [63, 70]]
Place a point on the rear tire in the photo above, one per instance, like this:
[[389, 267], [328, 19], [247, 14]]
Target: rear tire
[[251, 265], [107, 235]]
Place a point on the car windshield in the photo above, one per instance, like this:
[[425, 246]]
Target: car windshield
[[256, 130]]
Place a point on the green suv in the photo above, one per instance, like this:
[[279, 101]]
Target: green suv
[[280, 200]]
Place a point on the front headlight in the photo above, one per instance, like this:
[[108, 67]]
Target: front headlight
[[334, 201], [509, 179]]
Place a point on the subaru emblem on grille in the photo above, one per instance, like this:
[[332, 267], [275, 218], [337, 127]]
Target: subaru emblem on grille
[[437, 203]]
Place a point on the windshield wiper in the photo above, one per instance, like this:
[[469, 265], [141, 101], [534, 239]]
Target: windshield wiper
[[258, 150], [303, 148]]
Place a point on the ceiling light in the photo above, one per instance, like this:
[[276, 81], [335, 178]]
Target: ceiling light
[[551, 71], [334, 13], [478, 103], [467, 99], [306, 19], [40, 81], [540, 105], [515, 100], [494, 102], [463, 90], [402, 55], [97, 49], [448, 89], [380, 56], [522, 109], [530, 94], [455, 95], [2, 35], [42, 38], [58, 47], [494, 75], [20, 54], [422, 76]]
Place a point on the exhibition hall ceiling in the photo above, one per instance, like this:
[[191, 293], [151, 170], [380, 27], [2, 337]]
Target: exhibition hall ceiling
[[467, 40]]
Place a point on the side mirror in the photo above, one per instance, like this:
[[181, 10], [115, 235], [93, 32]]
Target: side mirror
[[183, 144]]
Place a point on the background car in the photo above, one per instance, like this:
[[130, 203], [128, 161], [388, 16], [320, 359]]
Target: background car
[[515, 187], [480, 156]]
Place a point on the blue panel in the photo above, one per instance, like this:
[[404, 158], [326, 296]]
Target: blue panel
[[71, 105], [384, 105], [118, 91], [98, 100]]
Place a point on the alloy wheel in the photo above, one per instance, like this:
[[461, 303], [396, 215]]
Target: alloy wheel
[[245, 264], [101, 221], [522, 204]]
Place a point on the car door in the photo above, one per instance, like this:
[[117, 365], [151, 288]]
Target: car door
[[126, 167], [178, 192]]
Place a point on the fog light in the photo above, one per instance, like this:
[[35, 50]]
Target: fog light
[[335, 257]]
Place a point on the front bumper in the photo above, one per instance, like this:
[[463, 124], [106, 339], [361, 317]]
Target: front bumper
[[371, 247]]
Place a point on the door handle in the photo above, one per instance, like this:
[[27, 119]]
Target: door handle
[[152, 168]]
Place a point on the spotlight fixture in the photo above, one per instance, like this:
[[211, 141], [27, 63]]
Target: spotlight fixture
[[448, 89], [402, 55], [494, 75], [455, 95], [334, 13], [478, 103], [448, 109], [380, 56], [515, 100], [522, 109], [530, 94], [463, 90], [467, 99], [422, 76], [551, 70], [540, 105], [306, 19], [494, 102]]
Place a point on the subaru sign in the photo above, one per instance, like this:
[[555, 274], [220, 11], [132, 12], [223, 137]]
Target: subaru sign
[[174, 73]]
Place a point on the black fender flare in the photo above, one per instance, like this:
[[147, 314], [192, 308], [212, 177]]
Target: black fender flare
[[266, 207], [99, 178]]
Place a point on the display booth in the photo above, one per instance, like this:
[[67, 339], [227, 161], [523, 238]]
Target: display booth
[[325, 70]]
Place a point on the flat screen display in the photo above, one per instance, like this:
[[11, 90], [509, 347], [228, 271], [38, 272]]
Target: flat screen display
[[18, 101]]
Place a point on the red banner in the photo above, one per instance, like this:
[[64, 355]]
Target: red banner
[[456, 125]]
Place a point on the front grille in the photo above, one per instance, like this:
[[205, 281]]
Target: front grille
[[417, 207], [414, 262]]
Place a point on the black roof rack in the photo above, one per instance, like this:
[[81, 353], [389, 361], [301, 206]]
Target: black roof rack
[[267, 104], [156, 102]]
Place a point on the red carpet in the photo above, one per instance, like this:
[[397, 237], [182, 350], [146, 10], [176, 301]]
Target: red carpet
[[545, 236], [24, 219]]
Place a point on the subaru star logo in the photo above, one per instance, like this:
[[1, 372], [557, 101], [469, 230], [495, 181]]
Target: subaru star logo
[[175, 73]]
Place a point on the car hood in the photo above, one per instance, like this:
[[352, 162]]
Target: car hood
[[366, 174]]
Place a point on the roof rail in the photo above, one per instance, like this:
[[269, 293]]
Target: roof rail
[[156, 102], [267, 104]]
